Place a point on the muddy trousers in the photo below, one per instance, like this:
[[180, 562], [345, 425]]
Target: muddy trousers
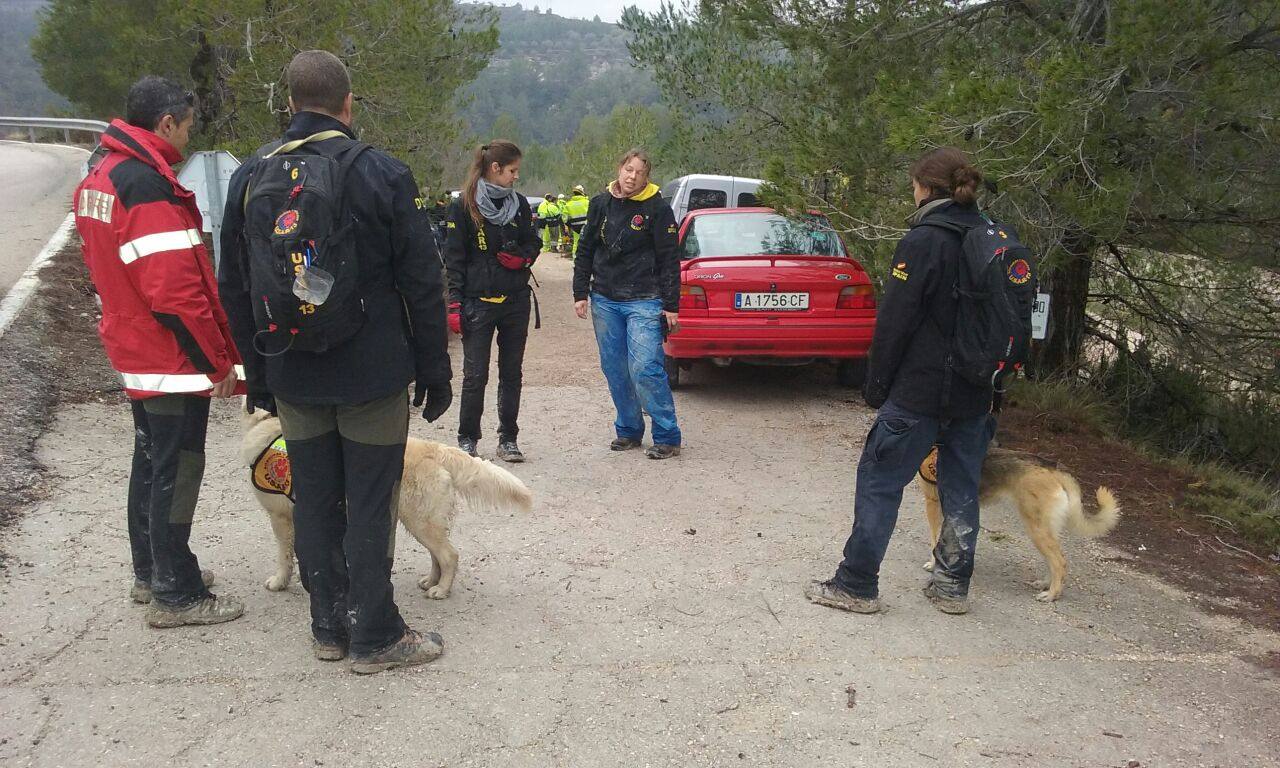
[[480, 321], [629, 335], [898, 442], [164, 485], [347, 461]]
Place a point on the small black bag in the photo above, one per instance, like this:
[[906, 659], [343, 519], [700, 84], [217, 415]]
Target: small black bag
[[304, 275]]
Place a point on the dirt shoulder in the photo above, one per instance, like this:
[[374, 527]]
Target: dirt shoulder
[[50, 355]]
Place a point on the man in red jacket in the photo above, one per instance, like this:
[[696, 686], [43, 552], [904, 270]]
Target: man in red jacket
[[166, 335]]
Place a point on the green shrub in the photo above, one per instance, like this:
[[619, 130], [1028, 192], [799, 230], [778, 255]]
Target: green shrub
[[1236, 502], [1064, 405], [1187, 413]]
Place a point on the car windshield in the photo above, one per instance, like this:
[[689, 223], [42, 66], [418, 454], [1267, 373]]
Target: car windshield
[[761, 234]]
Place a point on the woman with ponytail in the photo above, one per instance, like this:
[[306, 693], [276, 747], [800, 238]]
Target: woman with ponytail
[[490, 248], [920, 402]]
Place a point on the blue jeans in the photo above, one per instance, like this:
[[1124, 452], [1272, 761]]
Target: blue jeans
[[629, 334], [898, 442]]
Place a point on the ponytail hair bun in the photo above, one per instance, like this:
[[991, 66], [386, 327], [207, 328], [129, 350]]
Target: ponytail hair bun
[[964, 184], [948, 170]]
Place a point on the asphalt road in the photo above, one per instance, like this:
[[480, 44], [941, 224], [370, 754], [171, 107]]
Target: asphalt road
[[644, 614], [35, 197]]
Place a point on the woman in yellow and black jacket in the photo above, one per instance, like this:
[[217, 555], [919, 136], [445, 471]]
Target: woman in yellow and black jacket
[[626, 275], [490, 248]]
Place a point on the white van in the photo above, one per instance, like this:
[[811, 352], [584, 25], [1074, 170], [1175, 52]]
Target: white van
[[691, 193]]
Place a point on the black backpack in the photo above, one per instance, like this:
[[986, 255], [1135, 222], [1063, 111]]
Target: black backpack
[[994, 291], [295, 217]]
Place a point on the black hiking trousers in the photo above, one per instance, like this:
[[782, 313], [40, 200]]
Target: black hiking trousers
[[480, 321], [346, 462], [164, 486]]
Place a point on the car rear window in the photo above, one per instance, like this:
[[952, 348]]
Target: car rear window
[[762, 234], [748, 200]]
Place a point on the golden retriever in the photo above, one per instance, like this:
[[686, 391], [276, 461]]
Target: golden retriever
[[435, 476]]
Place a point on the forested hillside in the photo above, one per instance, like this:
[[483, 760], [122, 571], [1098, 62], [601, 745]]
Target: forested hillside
[[22, 92], [549, 72], [552, 82]]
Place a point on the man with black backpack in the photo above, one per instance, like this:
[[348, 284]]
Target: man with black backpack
[[332, 282], [955, 316]]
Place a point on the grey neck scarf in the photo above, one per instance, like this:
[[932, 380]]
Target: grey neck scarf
[[918, 214], [486, 193]]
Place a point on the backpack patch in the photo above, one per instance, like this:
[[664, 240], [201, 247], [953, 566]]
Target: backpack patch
[[1019, 272], [287, 223]]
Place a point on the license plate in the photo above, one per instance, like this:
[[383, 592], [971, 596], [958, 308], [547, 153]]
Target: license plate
[[778, 302]]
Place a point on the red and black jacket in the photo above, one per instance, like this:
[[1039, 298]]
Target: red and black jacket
[[162, 323]]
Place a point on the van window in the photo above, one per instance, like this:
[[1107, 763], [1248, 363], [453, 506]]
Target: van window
[[707, 198], [748, 200]]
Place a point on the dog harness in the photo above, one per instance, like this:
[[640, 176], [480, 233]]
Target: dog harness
[[270, 470]]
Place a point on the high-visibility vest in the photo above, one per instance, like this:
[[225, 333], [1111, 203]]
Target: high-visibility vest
[[548, 210], [576, 210]]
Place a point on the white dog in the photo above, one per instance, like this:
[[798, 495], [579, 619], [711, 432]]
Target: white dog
[[434, 476]]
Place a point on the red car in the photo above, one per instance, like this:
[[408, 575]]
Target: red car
[[759, 287]]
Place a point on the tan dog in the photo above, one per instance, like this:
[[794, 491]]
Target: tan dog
[[434, 477], [1047, 498]]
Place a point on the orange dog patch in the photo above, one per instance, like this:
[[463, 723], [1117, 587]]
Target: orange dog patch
[[271, 470]]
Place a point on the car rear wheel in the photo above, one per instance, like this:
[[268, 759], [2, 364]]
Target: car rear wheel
[[673, 370], [851, 373]]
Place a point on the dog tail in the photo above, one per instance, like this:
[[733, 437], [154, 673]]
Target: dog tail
[[1090, 523], [485, 485]]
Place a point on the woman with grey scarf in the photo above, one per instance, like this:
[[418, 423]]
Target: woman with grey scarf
[[490, 248]]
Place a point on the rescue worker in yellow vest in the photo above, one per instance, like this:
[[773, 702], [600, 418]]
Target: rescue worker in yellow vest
[[549, 221], [575, 209], [563, 242]]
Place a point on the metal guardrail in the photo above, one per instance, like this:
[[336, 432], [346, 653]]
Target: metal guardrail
[[66, 125]]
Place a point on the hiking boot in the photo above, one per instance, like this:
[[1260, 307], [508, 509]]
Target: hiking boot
[[140, 592], [946, 603], [210, 610], [413, 648], [510, 452], [467, 446], [657, 451], [329, 651], [624, 444], [829, 594]]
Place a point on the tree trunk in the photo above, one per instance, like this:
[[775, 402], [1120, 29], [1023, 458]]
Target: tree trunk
[[203, 75], [1068, 285]]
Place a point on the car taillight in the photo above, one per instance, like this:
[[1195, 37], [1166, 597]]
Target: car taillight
[[692, 297], [856, 297]]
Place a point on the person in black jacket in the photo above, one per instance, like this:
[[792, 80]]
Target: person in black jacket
[[343, 412], [920, 401], [490, 251], [627, 271]]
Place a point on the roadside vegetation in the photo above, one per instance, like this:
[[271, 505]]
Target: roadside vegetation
[[1192, 445]]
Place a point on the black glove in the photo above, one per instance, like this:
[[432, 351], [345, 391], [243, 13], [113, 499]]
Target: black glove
[[437, 396], [262, 400], [874, 397]]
